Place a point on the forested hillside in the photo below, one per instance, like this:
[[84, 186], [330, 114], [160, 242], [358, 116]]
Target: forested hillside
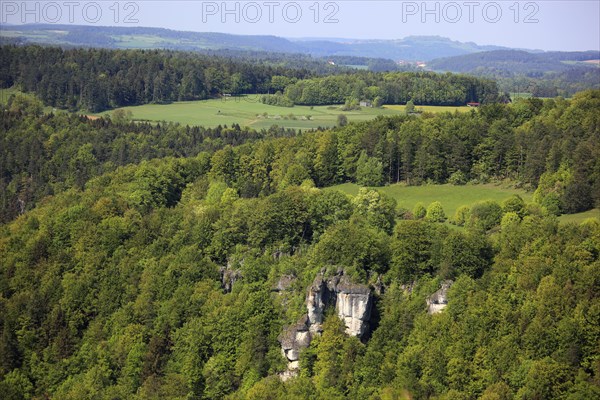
[[546, 74], [69, 35], [551, 145], [96, 80], [170, 260]]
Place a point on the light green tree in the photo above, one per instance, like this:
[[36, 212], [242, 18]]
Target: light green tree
[[435, 212]]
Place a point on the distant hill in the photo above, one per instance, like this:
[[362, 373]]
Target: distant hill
[[546, 74], [514, 62], [412, 48]]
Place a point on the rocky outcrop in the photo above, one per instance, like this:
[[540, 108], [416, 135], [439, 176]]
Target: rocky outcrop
[[284, 283], [352, 303], [293, 339], [228, 277], [439, 300], [353, 306]]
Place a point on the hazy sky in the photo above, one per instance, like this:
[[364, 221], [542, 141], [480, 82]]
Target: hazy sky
[[547, 25]]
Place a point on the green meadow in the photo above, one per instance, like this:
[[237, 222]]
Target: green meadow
[[580, 217], [453, 197], [249, 111], [450, 196]]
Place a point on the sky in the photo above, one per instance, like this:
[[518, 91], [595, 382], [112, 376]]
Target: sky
[[545, 25]]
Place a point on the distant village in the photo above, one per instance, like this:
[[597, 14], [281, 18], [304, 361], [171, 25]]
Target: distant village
[[420, 64]]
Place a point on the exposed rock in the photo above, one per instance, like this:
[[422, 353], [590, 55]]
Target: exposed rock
[[353, 306], [317, 299], [284, 283], [352, 303], [228, 277], [294, 338], [439, 300]]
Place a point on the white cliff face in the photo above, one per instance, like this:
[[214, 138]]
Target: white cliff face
[[353, 306], [439, 300], [294, 339], [315, 306], [352, 303], [355, 310]]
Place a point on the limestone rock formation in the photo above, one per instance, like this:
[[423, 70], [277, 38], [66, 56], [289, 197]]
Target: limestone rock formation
[[284, 283], [293, 339], [352, 303], [228, 277], [439, 300]]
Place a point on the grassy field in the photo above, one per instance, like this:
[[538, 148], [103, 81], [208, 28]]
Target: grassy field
[[450, 196], [248, 111], [431, 109], [580, 217], [453, 197]]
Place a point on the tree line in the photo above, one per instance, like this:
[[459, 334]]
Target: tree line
[[99, 79], [71, 148], [423, 88]]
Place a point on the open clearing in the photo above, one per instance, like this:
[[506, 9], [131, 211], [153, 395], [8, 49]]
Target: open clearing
[[453, 197], [450, 196], [249, 111], [580, 217]]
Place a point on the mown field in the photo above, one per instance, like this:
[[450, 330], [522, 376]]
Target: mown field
[[450, 196], [453, 197], [248, 111], [580, 217]]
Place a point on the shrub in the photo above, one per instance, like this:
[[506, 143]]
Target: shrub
[[435, 212], [461, 216], [457, 178], [419, 211], [485, 215]]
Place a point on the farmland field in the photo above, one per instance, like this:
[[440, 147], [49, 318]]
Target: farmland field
[[450, 196], [453, 197], [431, 109], [248, 111], [580, 217]]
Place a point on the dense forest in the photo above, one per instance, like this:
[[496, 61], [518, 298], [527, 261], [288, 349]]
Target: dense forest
[[98, 79], [95, 80], [423, 88], [169, 260]]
